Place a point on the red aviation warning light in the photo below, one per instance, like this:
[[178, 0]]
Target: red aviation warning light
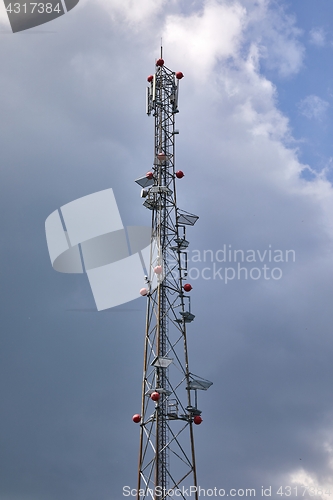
[[155, 396], [161, 156], [136, 418], [158, 270]]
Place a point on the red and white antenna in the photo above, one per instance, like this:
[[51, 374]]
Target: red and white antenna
[[169, 390]]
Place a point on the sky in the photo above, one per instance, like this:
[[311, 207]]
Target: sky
[[255, 126]]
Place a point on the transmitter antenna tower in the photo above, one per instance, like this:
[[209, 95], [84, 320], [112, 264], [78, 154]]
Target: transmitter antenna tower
[[169, 390]]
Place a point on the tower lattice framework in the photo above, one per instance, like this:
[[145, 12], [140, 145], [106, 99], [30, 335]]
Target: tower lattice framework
[[169, 389]]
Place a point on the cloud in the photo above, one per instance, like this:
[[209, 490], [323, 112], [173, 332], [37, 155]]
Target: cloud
[[132, 13], [277, 36], [313, 107], [201, 39], [216, 29], [317, 483], [317, 36]]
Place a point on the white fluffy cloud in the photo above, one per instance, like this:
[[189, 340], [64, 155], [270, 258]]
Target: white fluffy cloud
[[132, 13], [198, 41]]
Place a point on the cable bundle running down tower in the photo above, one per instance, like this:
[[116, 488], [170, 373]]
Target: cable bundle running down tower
[[169, 389]]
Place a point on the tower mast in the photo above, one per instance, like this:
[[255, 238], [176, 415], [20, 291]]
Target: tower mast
[[169, 389]]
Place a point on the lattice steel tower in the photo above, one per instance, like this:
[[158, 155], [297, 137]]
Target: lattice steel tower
[[169, 389]]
